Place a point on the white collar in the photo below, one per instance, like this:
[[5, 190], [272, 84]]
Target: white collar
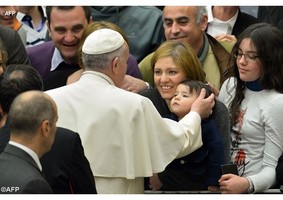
[[231, 21], [216, 26], [99, 74], [56, 59], [29, 151]]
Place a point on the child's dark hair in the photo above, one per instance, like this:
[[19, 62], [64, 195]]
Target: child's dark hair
[[197, 86]]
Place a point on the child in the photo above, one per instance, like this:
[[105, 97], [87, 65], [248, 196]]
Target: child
[[203, 165]]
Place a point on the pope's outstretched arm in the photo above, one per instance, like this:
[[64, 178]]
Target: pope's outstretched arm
[[191, 123]]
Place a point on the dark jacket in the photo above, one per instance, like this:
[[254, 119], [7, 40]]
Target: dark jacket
[[220, 114], [65, 166], [20, 174], [272, 15], [14, 47], [193, 175], [202, 167], [243, 21]]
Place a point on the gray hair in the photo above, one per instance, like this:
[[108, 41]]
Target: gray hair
[[101, 61], [201, 11], [28, 112]]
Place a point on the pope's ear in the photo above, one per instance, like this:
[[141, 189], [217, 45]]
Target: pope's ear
[[115, 65]]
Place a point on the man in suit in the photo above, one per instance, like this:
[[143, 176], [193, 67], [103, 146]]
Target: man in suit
[[123, 135], [228, 22], [32, 117], [13, 46], [65, 166]]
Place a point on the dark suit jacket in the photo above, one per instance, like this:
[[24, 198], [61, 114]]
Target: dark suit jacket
[[65, 166], [20, 174], [14, 46], [243, 21]]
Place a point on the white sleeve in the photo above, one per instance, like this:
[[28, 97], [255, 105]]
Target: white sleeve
[[191, 124], [273, 126]]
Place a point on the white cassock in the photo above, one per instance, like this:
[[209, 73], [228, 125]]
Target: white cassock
[[123, 135]]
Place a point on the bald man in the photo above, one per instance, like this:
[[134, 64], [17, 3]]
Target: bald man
[[33, 117]]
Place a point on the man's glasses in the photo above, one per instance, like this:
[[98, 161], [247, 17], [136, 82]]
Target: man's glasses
[[249, 56]]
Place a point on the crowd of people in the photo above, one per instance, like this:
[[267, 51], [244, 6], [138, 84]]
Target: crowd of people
[[128, 99]]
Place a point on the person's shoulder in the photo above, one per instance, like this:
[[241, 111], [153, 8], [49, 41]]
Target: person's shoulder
[[59, 90], [132, 60], [146, 59], [8, 36], [219, 105], [225, 44], [64, 132], [65, 137], [228, 46], [6, 31], [41, 48], [248, 17], [131, 98], [148, 92]]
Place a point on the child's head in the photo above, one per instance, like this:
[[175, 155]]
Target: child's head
[[186, 93]]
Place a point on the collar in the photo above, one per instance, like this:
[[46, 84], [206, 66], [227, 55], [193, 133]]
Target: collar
[[29, 151], [41, 9], [27, 19], [231, 21], [56, 59], [216, 26], [204, 50], [100, 75], [254, 86]]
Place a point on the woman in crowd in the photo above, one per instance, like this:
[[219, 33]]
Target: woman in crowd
[[172, 63], [255, 102]]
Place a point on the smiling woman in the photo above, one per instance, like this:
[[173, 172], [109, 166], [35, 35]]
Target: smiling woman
[[172, 63]]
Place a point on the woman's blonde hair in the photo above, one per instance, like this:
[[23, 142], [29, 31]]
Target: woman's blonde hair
[[183, 55]]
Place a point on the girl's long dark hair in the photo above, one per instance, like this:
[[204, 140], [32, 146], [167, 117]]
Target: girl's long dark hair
[[268, 42]]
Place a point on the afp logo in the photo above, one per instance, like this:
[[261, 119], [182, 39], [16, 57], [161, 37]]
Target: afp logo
[[9, 13]]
